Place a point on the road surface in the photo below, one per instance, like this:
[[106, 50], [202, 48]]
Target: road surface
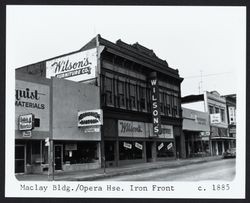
[[223, 169]]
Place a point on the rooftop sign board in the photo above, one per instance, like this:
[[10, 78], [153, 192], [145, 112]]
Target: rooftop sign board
[[77, 67]]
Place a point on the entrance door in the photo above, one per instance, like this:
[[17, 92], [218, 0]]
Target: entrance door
[[19, 159], [58, 157], [149, 151]]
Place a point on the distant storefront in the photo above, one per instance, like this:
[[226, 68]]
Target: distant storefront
[[197, 132]]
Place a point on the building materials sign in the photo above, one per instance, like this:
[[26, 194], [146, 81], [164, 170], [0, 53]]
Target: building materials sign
[[90, 118], [26, 122], [215, 118], [155, 105], [232, 115], [76, 67], [131, 129]]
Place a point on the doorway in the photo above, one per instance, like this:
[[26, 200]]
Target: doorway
[[58, 154], [149, 151], [19, 158]]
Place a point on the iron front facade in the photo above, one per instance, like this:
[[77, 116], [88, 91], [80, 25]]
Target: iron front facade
[[137, 93]]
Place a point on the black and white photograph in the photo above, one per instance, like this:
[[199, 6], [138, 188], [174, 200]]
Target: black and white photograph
[[125, 101]]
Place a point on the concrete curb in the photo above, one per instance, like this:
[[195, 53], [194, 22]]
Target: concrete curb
[[138, 170]]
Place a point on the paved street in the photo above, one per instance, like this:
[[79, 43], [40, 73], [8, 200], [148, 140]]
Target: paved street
[[223, 169]]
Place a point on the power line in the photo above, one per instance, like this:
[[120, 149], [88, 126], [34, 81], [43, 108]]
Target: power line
[[208, 75]]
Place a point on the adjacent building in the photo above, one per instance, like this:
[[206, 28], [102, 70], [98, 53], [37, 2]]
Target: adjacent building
[[215, 105], [196, 129], [107, 104]]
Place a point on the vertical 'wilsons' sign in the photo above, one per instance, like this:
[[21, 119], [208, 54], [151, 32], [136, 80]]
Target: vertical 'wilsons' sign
[[76, 67], [155, 104]]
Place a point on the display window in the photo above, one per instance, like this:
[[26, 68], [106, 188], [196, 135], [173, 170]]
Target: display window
[[130, 150], [84, 152], [165, 149]]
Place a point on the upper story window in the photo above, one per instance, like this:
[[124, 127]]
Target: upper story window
[[169, 104], [211, 109], [109, 91], [142, 98], [161, 100], [222, 113], [121, 93], [217, 110], [132, 92]]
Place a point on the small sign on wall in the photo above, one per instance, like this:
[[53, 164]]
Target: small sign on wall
[[26, 122], [160, 146], [139, 146], [90, 118], [27, 133]]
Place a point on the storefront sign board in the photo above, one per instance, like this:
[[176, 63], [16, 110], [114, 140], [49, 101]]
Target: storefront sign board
[[166, 132], [27, 133], [131, 129]]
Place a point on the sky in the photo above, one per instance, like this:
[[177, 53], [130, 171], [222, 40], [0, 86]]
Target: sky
[[206, 44]]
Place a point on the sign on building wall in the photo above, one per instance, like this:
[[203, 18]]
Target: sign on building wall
[[76, 67], [232, 115], [32, 98], [26, 122], [131, 129], [155, 105], [215, 118], [166, 132], [90, 118]]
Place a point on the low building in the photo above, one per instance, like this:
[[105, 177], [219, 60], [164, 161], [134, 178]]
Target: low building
[[196, 130]]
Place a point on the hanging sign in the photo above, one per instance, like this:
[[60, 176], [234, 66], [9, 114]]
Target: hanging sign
[[127, 145], [232, 115], [155, 105], [139, 146], [160, 146], [170, 145], [26, 122], [89, 118], [77, 67]]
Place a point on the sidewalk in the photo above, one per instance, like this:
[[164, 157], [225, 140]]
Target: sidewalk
[[96, 174]]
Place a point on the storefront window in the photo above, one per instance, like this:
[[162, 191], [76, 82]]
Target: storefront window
[[130, 150], [211, 109], [36, 152], [222, 113], [165, 149], [85, 152]]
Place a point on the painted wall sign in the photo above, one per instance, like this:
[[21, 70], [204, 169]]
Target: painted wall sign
[[160, 146], [131, 129], [29, 98], [76, 67], [32, 98], [27, 133], [90, 118], [26, 122], [139, 146], [166, 132], [155, 105], [215, 118], [232, 115], [127, 145]]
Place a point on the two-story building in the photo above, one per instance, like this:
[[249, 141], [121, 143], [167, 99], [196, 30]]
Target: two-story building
[[137, 92], [213, 103]]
